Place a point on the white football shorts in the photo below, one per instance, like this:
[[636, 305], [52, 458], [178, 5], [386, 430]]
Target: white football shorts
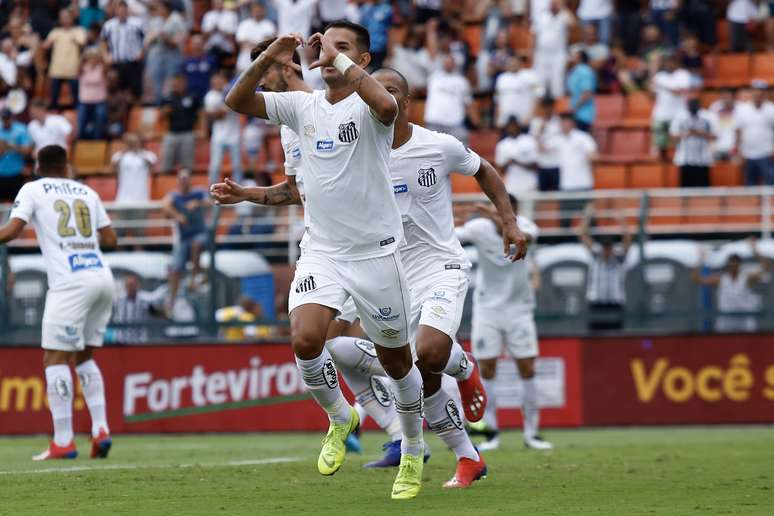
[[495, 331], [437, 300], [77, 312]]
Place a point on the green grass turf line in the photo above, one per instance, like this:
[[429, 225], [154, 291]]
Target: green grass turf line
[[188, 411]]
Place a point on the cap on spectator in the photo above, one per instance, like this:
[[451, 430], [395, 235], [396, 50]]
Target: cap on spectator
[[759, 84]]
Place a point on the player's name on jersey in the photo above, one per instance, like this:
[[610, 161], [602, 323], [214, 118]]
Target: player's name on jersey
[[64, 188]]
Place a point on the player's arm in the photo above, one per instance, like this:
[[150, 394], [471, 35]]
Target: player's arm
[[242, 97], [107, 237], [492, 185], [626, 237], [710, 280], [383, 105], [11, 229], [282, 194]]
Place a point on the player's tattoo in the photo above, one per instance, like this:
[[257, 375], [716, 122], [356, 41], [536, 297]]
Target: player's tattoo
[[278, 195], [358, 80]]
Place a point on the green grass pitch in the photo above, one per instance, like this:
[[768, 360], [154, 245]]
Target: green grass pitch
[[696, 470]]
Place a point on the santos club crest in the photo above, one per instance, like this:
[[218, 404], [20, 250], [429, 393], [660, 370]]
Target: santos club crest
[[348, 132], [427, 177]]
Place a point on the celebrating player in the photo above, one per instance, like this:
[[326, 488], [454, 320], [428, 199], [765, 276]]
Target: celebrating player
[[503, 307], [353, 232], [71, 224], [437, 267]]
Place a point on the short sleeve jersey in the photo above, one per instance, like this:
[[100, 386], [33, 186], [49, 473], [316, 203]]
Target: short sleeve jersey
[[345, 152], [66, 216]]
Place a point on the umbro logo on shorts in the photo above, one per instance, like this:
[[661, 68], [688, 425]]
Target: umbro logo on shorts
[[390, 333], [427, 177], [348, 132], [305, 285]]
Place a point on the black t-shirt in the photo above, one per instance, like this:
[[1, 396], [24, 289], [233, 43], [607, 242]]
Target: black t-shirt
[[182, 117]]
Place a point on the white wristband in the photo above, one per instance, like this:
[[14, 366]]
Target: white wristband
[[342, 63]]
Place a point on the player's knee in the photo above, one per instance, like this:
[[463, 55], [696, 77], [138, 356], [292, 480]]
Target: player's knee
[[433, 352], [488, 367], [53, 357], [307, 345], [84, 355], [526, 367]]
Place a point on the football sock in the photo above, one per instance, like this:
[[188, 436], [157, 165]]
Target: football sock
[[355, 354], [361, 412], [407, 392], [59, 388], [490, 414], [321, 379], [458, 365], [445, 419], [94, 392], [529, 407]]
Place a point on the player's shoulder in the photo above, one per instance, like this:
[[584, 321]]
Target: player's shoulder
[[429, 137]]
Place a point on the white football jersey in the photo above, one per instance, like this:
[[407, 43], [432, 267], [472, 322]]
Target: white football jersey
[[66, 216], [344, 155], [502, 286], [420, 171]]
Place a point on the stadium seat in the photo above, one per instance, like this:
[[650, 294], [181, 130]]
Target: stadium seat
[[201, 156], [702, 210], [608, 177], [520, 37], [472, 36], [646, 175], [723, 35], [89, 157], [484, 143], [707, 97], [742, 209], [105, 186], [729, 70], [604, 213], [161, 185], [464, 184], [629, 209], [610, 110], [763, 67], [726, 174], [665, 211], [546, 214], [629, 144], [671, 176], [638, 108], [602, 137]]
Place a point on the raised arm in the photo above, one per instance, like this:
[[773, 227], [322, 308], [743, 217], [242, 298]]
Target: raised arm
[[585, 229], [491, 184], [626, 237], [282, 194], [242, 97], [763, 263], [710, 280]]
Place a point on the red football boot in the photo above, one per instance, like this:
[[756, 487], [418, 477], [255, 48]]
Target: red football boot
[[473, 393], [468, 471], [100, 445], [58, 452]]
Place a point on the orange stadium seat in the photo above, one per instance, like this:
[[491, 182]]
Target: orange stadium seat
[[201, 156], [643, 176], [602, 137], [742, 209], [665, 211], [546, 214], [730, 70], [520, 38], [610, 110], [671, 176], [472, 36], [629, 144], [161, 185], [726, 174], [464, 184], [763, 66], [608, 177], [89, 157], [105, 186], [484, 143], [703, 210], [638, 108], [627, 208]]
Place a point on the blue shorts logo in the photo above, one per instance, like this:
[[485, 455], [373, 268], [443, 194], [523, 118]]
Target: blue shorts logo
[[324, 145], [400, 188], [80, 262]]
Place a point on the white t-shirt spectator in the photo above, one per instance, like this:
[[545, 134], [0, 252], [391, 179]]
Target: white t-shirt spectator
[[224, 21], [133, 170], [546, 131], [536, 7], [332, 10], [514, 155], [414, 64], [252, 32], [595, 9], [295, 16], [516, 94], [725, 128], [670, 88], [447, 96], [756, 127], [741, 11], [224, 129], [551, 32], [575, 150], [7, 70], [692, 150], [54, 130]]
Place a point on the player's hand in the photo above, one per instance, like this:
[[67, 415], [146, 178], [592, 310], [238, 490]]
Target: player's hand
[[283, 48], [328, 51], [514, 237], [228, 192]]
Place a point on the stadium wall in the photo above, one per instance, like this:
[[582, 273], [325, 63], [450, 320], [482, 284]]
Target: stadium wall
[[219, 388]]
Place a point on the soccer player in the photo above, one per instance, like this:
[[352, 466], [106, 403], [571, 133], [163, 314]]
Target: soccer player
[[503, 307], [354, 226], [71, 224], [437, 268]]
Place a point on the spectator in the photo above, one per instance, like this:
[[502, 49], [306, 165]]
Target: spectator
[[118, 103], [670, 86], [663, 13], [8, 69], [15, 147], [122, 43], [581, 84], [412, 59], [219, 26], [48, 129], [92, 97], [694, 131], [198, 67], [654, 48], [544, 128], [132, 168], [449, 98], [698, 16], [597, 51], [576, 149], [332, 10], [442, 40], [376, 16], [516, 93], [491, 63], [165, 38], [245, 311], [135, 307], [252, 31], [295, 16], [754, 122], [187, 207], [425, 10], [723, 112], [734, 290], [551, 28], [629, 25], [516, 154], [181, 110], [65, 43], [740, 14], [691, 60], [225, 130], [91, 12], [597, 14], [605, 291]]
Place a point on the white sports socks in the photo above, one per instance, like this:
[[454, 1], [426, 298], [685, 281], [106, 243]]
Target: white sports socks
[[59, 388], [458, 365], [94, 392], [321, 379], [490, 414], [529, 407], [407, 392], [445, 419]]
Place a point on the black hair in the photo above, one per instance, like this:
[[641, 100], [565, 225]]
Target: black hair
[[583, 56], [52, 159], [547, 101], [566, 116], [512, 120], [261, 47], [362, 37], [403, 81], [734, 258]]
